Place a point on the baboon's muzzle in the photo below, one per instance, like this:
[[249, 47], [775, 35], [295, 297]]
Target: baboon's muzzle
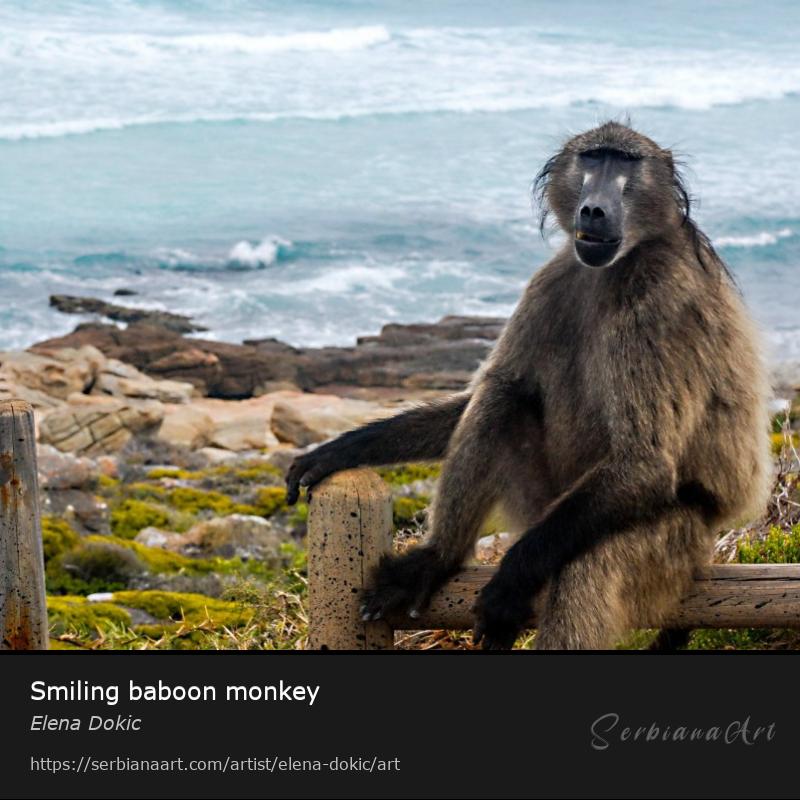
[[598, 221]]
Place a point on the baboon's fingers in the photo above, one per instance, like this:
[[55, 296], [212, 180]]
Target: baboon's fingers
[[305, 472]]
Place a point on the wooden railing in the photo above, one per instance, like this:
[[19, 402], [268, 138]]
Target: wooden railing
[[350, 527]]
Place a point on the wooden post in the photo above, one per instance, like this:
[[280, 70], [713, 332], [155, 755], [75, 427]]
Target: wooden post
[[349, 529], [23, 609]]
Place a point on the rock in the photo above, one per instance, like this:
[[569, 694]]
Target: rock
[[15, 391], [241, 535], [55, 372], [303, 419], [86, 512], [124, 292], [230, 425], [440, 356], [59, 470], [99, 425], [100, 597], [155, 537], [123, 380], [491, 548], [283, 457], [216, 455], [108, 466], [187, 426], [91, 305]]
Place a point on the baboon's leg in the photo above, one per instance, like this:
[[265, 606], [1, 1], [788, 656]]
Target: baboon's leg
[[419, 434], [629, 580], [472, 479]]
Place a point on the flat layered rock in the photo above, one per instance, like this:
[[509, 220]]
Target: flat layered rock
[[415, 358], [69, 304]]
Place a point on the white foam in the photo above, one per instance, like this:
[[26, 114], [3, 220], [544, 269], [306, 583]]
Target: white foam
[[335, 41], [755, 240], [259, 255]]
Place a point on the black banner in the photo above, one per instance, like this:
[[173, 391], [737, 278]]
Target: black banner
[[399, 725]]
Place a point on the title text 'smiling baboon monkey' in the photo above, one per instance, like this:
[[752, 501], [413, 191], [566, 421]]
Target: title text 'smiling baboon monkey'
[[620, 419]]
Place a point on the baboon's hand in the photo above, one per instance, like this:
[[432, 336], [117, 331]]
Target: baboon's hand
[[404, 583], [310, 468], [501, 612]]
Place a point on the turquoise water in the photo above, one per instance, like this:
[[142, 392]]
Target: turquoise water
[[312, 170]]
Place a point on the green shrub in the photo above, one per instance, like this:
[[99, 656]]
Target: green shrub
[[57, 537], [406, 509], [270, 499], [93, 565], [131, 516], [78, 616], [194, 608], [779, 547], [408, 473]]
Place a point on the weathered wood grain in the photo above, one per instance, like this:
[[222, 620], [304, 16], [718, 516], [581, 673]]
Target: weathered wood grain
[[723, 596], [349, 528], [23, 610]]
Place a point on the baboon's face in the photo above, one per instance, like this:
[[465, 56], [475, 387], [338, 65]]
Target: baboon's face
[[611, 189]]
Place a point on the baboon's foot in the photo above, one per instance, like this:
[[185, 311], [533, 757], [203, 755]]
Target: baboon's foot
[[405, 583], [501, 612]]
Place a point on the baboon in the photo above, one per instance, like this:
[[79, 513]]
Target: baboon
[[619, 421]]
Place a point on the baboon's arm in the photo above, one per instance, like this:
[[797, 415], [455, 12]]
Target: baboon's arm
[[419, 434], [470, 483]]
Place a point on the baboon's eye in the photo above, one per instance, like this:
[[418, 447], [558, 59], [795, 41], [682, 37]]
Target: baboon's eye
[[598, 153]]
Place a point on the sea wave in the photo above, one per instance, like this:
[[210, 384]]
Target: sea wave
[[263, 254], [135, 79], [760, 239]]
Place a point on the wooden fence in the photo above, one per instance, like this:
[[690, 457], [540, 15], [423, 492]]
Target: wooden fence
[[350, 527]]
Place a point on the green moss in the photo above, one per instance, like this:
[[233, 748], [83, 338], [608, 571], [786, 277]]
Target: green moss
[[193, 608], [270, 499], [57, 537], [408, 473], [131, 516], [192, 500], [779, 547], [76, 615], [251, 472], [107, 482], [258, 471], [171, 472], [405, 510]]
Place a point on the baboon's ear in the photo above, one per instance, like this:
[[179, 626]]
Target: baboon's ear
[[669, 159]]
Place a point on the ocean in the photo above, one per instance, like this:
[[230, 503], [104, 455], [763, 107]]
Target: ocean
[[313, 170]]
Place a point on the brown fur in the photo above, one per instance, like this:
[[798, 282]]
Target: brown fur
[[624, 406]]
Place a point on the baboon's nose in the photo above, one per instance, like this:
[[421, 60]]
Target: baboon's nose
[[592, 212]]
